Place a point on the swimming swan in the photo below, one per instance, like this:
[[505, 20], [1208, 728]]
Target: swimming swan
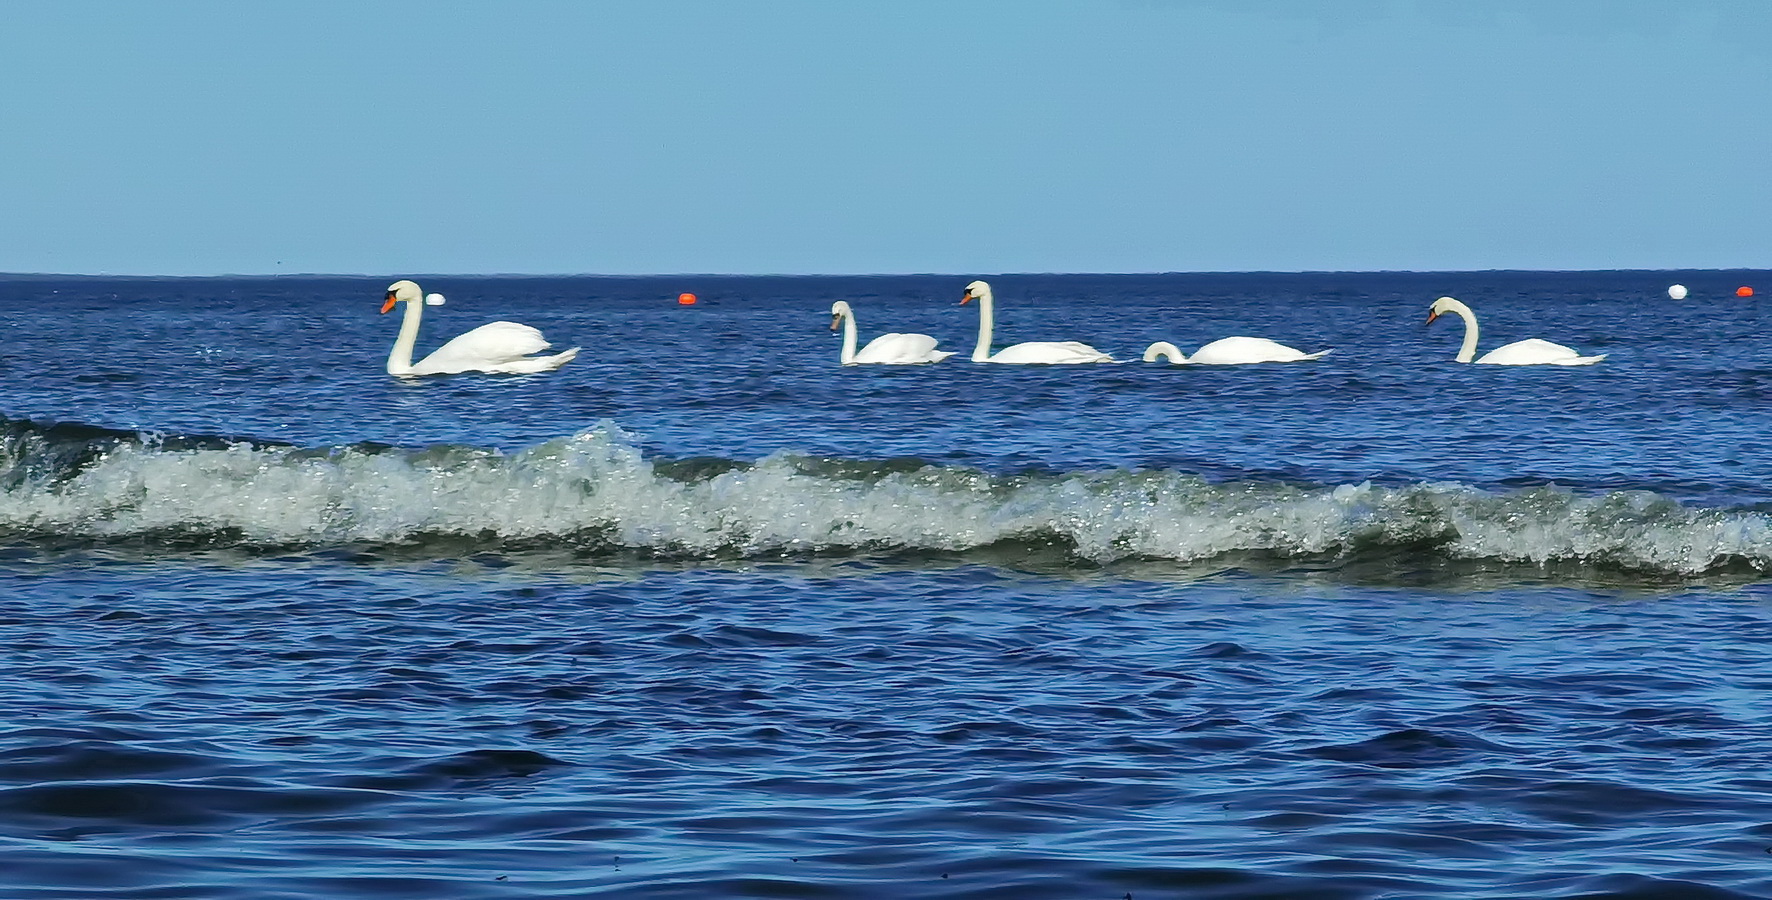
[[893, 349], [1231, 351], [1032, 352], [1529, 352], [498, 347]]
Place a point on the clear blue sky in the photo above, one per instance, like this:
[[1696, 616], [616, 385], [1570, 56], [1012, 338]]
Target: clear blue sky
[[814, 136]]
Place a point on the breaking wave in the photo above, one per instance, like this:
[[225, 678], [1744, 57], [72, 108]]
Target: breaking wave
[[596, 492]]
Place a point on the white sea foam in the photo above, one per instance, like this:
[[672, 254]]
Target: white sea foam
[[597, 488]]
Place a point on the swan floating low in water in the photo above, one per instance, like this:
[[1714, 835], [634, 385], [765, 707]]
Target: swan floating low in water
[[892, 349], [497, 347], [1231, 351], [1029, 353], [1529, 352]]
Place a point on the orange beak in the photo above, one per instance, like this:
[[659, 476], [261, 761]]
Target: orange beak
[[1431, 316], [966, 299], [389, 304]]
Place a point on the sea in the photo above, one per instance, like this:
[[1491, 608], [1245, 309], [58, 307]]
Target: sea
[[705, 614]]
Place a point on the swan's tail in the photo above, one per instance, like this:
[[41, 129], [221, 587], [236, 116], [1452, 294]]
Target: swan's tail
[[1579, 360], [559, 359], [535, 364]]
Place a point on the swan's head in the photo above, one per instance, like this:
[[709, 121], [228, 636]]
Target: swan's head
[[1441, 307], [839, 309], [977, 290], [399, 291]]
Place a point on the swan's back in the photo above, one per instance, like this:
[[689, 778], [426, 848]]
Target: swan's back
[[897, 348], [489, 348], [1239, 350], [1050, 353], [1537, 352]]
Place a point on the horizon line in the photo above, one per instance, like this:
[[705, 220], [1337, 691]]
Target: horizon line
[[97, 275]]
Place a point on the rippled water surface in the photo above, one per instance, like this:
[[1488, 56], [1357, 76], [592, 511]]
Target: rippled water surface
[[706, 615]]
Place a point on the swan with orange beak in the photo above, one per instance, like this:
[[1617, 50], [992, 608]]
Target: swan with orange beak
[[1027, 353], [505, 348], [1529, 352]]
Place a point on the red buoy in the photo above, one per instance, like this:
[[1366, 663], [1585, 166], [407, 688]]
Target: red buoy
[[1744, 291], [686, 299]]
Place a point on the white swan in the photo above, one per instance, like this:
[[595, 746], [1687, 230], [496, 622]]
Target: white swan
[[498, 347], [1031, 352], [893, 349], [1231, 351], [1529, 352]]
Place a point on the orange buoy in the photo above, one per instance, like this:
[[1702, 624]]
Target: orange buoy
[[686, 299], [1744, 291]]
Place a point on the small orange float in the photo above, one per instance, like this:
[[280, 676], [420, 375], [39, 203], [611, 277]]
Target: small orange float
[[685, 299], [1744, 291]]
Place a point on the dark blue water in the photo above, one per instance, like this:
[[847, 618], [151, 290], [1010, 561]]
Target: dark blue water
[[706, 615]]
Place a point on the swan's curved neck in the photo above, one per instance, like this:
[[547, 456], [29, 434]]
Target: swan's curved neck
[[1467, 352], [986, 321], [400, 358], [848, 356], [1164, 350]]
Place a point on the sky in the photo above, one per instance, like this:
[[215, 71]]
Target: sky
[[897, 136]]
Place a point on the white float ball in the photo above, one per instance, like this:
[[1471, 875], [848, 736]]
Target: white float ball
[[1677, 292]]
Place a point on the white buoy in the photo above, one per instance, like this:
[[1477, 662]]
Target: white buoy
[[1677, 291], [437, 299]]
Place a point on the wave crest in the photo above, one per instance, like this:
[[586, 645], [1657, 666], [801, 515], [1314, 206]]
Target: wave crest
[[596, 491]]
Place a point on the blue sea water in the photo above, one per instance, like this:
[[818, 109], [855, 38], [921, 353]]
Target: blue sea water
[[704, 614]]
